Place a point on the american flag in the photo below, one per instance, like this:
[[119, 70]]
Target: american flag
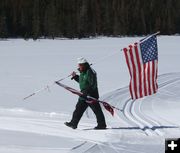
[[89, 99], [142, 62]]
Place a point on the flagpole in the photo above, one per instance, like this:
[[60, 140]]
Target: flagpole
[[154, 34], [48, 86], [158, 32]]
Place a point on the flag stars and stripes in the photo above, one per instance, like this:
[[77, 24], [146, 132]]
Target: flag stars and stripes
[[142, 61], [149, 49]]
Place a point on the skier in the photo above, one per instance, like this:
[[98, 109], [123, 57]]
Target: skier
[[88, 85]]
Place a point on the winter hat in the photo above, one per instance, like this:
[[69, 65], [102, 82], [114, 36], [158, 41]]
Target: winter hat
[[81, 60]]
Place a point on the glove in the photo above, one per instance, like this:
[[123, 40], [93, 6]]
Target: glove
[[73, 74]]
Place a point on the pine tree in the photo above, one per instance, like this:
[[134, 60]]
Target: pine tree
[[3, 27], [85, 18], [36, 20]]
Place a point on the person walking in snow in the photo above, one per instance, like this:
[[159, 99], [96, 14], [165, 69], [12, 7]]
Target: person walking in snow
[[88, 85]]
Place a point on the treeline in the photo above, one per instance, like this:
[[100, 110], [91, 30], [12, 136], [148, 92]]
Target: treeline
[[85, 18]]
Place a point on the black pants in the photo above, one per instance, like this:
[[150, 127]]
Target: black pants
[[81, 106]]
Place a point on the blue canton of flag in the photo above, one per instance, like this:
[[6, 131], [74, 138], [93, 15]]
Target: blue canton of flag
[[149, 49]]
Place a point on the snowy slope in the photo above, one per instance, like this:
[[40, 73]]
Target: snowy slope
[[143, 123], [36, 125]]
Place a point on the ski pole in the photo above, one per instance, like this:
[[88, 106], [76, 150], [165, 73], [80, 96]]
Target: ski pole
[[34, 93], [46, 88]]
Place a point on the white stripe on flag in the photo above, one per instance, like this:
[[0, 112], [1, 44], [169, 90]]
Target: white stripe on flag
[[142, 70], [146, 78], [131, 69], [155, 69], [151, 76], [136, 72]]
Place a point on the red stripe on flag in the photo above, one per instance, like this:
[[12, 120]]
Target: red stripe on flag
[[108, 108], [145, 89], [139, 69], [134, 71], [127, 61], [143, 72], [149, 77]]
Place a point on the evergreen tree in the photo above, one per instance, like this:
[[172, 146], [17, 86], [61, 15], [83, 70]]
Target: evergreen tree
[[85, 18], [3, 27]]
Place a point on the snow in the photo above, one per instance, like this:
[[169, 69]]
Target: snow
[[36, 125]]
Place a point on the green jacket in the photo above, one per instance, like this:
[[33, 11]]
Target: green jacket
[[88, 83]]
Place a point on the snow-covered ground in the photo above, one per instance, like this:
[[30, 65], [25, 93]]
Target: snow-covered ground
[[36, 125]]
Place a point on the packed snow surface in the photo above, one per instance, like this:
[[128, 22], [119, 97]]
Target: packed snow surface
[[37, 124]]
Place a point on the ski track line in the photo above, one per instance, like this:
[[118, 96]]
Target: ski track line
[[18, 147], [125, 116], [142, 118], [90, 148], [162, 118], [98, 145], [155, 122], [36, 122], [146, 123], [45, 123], [164, 84], [95, 143], [130, 114], [133, 113], [123, 104], [78, 146], [127, 113], [115, 148], [137, 117], [130, 118], [152, 122], [102, 151], [50, 128], [161, 86], [165, 120], [125, 148], [133, 118]]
